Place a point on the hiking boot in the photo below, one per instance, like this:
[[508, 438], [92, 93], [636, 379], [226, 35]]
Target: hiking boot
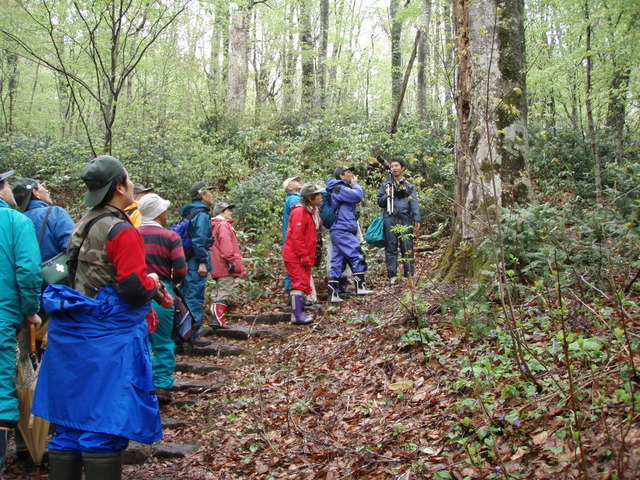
[[164, 396], [334, 297], [218, 312], [297, 305], [361, 289]]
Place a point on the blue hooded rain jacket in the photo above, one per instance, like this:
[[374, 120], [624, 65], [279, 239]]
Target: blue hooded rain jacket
[[96, 375]]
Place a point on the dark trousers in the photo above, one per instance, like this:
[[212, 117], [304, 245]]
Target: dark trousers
[[404, 241]]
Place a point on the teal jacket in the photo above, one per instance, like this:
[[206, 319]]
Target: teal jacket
[[292, 199], [20, 275]]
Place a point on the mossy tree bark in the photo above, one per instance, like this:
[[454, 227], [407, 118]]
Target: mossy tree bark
[[238, 61], [491, 135]]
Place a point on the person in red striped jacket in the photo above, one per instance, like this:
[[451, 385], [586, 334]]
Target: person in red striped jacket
[[165, 257]]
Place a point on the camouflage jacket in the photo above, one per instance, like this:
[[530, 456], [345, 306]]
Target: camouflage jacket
[[112, 253]]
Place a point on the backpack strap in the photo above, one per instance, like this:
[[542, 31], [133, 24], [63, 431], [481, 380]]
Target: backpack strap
[[44, 224], [194, 212], [336, 189]]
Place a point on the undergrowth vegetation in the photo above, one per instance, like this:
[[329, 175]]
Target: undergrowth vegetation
[[546, 338], [549, 332]]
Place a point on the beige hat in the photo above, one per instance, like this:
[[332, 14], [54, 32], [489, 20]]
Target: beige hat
[[221, 207], [285, 184], [139, 188], [309, 189], [151, 206]]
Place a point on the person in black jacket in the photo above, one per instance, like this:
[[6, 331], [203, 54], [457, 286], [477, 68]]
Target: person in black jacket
[[401, 208]]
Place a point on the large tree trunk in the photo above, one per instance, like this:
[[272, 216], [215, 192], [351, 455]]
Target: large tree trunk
[[423, 58], [616, 108], [238, 62], [590, 124], [322, 54], [289, 64], [307, 53], [10, 77], [396, 51], [491, 136], [444, 69], [217, 73]]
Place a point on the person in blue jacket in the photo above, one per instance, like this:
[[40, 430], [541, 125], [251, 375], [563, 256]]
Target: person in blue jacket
[[405, 211], [34, 201], [291, 186], [345, 195], [192, 287], [21, 286]]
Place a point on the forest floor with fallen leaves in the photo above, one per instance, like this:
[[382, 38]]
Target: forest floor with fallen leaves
[[395, 386], [363, 394]]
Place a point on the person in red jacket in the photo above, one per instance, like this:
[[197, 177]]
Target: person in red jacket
[[226, 261], [299, 253]]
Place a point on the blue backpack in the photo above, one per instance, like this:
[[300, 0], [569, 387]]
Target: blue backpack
[[182, 229], [327, 213]]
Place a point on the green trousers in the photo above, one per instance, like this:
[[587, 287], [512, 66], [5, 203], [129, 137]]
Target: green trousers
[[163, 357]]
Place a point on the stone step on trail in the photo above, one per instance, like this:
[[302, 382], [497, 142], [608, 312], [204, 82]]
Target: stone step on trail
[[218, 350], [172, 423], [263, 318], [283, 316], [198, 368], [214, 350], [234, 332], [196, 386], [138, 453]]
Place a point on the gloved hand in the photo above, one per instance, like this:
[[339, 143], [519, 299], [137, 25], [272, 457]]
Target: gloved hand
[[232, 267], [163, 297]]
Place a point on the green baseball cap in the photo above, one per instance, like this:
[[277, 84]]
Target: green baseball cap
[[98, 177], [22, 191]]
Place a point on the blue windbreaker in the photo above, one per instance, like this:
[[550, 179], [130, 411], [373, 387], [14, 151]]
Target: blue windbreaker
[[96, 375], [55, 236], [344, 198], [200, 231], [291, 200]]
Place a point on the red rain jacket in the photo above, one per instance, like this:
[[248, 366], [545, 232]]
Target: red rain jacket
[[300, 245], [225, 250]]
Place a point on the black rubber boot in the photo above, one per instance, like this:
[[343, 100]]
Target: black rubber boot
[[102, 466], [22, 452], [64, 465], [334, 287], [344, 286], [361, 289]]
